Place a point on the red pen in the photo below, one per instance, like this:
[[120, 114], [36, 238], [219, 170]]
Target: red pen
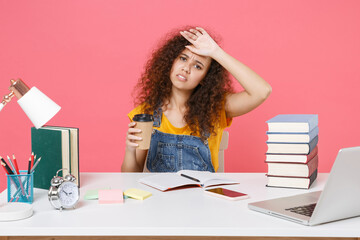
[[16, 165], [32, 160]]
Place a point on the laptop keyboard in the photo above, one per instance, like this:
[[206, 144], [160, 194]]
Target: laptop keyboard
[[306, 210]]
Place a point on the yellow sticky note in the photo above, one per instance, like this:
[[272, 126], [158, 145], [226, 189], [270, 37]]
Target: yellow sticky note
[[137, 193]]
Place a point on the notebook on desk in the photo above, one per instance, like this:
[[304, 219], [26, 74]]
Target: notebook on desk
[[338, 200], [182, 178]]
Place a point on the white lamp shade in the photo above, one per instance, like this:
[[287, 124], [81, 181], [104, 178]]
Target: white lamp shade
[[38, 107]]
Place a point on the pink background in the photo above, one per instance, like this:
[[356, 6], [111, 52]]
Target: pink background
[[87, 55]]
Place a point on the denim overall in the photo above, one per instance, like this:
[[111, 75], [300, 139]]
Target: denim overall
[[172, 152]]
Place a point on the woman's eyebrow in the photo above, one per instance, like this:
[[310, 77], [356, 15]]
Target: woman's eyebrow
[[195, 60]]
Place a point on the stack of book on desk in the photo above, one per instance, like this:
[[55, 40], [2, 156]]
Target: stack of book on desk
[[292, 155]]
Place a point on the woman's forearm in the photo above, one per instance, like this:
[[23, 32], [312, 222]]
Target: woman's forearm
[[252, 83], [130, 164]]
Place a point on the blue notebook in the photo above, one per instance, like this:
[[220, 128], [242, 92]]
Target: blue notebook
[[293, 123]]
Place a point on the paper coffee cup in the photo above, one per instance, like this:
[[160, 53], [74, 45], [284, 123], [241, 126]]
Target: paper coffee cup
[[145, 123]]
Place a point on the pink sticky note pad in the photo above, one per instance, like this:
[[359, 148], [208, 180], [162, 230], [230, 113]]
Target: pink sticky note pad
[[110, 196]]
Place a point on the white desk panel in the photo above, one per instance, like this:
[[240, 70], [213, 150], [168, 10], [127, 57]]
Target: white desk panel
[[183, 212]]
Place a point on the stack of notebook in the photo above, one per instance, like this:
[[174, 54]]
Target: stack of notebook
[[292, 155]]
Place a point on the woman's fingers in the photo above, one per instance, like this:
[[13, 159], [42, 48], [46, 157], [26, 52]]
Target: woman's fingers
[[192, 49], [131, 144], [191, 34], [196, 32], [132, 124], [201, 30], [130, 137], [133, 137], [201, 42], [131, 132], [134, 130], [188, 36]]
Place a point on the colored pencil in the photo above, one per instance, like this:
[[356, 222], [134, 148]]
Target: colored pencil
[[12, 165], [29, 166], [9, 172], [37, 162], [32, 160], [4, 164], [16, 165], [19, 178]]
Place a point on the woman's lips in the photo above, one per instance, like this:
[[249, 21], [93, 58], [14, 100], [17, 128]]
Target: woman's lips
[[181, 77]]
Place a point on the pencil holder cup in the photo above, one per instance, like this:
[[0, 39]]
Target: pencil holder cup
[[20, 187]]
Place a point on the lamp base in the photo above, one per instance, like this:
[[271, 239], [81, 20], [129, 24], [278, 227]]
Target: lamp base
[[15, 211]]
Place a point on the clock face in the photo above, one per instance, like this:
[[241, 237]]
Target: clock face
[[68, 194]]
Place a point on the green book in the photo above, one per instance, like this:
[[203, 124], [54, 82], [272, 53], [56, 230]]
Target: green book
[[58, 148]]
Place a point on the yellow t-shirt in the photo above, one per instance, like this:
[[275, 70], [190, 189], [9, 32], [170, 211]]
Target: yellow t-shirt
[[214, 140]]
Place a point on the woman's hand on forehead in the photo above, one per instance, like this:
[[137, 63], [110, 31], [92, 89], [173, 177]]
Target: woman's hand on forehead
[[202, 42]]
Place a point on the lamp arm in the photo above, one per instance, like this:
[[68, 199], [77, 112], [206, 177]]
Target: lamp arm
[[6, 99], [17, 88]]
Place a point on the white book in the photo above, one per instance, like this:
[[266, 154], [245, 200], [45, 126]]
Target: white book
[[295, 158], [292, 137], [167, 181], [293, 169], [292, 148], [295, 123], [291, 182]]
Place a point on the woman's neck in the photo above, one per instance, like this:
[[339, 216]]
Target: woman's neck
[[178, 100], [175, 109]]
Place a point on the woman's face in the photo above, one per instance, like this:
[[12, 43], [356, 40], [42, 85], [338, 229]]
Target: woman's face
[[188, 70]]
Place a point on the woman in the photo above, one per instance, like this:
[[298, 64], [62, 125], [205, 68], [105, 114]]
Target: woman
[[186, 87]]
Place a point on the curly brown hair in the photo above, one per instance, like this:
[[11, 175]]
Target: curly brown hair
[[153, 89]]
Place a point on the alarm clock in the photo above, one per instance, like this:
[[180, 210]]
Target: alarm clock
[[63, 192]]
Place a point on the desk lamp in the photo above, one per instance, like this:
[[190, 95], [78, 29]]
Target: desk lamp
[[36, 105], [39, 109]]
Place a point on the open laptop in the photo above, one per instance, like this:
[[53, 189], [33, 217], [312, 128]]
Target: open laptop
[[338, 200]]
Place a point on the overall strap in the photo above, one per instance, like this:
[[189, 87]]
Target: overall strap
[[157, 117], [157, 122], [207, 135]]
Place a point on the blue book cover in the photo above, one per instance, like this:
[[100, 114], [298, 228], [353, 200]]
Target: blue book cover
[[303, 123]]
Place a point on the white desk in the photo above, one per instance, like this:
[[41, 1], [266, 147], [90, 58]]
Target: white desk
[[184, 212]]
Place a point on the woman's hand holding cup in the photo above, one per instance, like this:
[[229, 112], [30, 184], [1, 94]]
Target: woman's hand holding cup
[[131, 138], [140, 136]]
